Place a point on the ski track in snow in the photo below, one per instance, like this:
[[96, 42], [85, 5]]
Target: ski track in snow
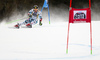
[[48, 42]]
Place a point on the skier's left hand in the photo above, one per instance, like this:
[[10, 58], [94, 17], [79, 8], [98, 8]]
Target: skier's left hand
[[40, 23]]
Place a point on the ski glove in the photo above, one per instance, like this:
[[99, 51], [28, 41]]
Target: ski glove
[[40, 23]]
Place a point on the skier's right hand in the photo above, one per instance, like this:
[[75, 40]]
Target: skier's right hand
[[28, 13]]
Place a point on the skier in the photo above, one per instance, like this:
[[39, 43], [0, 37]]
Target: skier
[[33, 18]]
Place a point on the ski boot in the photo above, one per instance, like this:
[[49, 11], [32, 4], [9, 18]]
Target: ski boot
[[17, 25], [29, 25]]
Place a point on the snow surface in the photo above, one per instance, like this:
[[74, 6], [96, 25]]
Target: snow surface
[[48, 42]]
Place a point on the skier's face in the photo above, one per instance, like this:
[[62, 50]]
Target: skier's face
[[35, 10]]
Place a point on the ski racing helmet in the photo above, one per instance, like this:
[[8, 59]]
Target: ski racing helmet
[[35, 7]]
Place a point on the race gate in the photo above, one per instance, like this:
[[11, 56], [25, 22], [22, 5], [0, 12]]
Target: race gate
[[46, 5], [80, 16]]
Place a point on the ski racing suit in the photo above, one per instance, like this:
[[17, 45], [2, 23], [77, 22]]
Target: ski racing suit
[[34, 17]]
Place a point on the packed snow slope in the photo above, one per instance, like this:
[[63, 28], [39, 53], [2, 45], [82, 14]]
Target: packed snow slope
[[48, 42]]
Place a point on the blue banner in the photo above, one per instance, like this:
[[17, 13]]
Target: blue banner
[[45, 4]]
